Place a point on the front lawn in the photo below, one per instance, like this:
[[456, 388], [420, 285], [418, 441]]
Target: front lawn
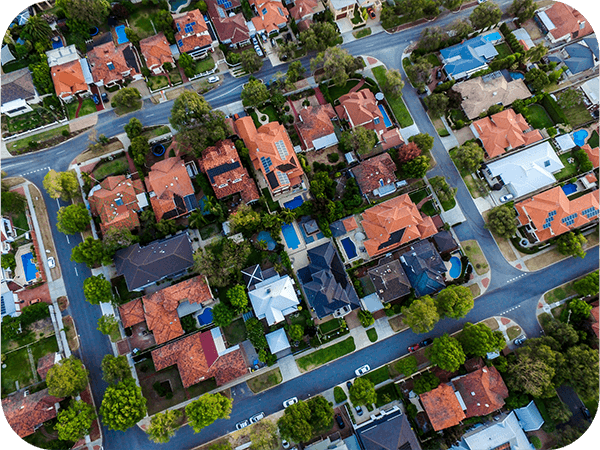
[[538, 117], [593, 140], [43, 347], [156, 82], [503, 50], [117, 166], [336, 92], [395, 102], [202, 388], [87, 107], [204, 65], [419, 195], [386, 394], [326, 355], [17, 147], [329, 326], [372, 334], [364, 32], [122, 293], [235, 332], [265, 381], [378, 376], [175, 77], [28, 121], [429, 209], [155, 132]]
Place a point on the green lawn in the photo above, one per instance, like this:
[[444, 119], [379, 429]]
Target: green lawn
[[448, 205], [265, 381], [378, 376], [43, 347], [417, 196], [476, 256], [121, 110], [34, 119], [124, 295], [326, 355], [396, 103], [372, 334], [433, 59], [204, 65], [20, 222], [235, 332], [23, 144], [329, 326], [87, 107], [428, 208], [538, 117], [157, 82], [386, 394], [570, 169], [364, 32], [175, 77], [269, 110], [577, 115], [202, 388], [593, 140], [337, 91], [159, 131], [17, 369], [117, 166], [503, 50], [140, 21], [273, 206]]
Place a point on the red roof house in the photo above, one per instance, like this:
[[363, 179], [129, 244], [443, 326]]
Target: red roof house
[[272, 16], [376, 173], [304, 9], [25, 413], [564, 23], [69, 81], [442, 407], [231, 29], [593, 154], [111, 64], [360, 109], [483, 391], [315, 127], [192, 34], [156, 52]]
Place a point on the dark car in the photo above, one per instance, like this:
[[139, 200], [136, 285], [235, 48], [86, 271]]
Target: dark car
[[425, 342], [438, 74], [104, 97], [414, 348], [359, 410], [348, 384], [340, 421], [96, 99], [584, 411], [371, 12]]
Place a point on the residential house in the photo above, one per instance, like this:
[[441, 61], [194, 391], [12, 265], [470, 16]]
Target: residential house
[[274, 298], [478, 94], [63, 55], [170, 189], [272, 154], [504, 131], [305, 9], [156, 51], [326, 284], [593, 154], [376, 176], [7, 234], [393, 223], [444, 242], [470, 56], [442, 407], [69, 81], [192, 34], [201, 356], [117, 200], [342, 8], [482, 391], [272, 16], [389, 279], [18, 93], [278, 343], [315, 128], [424, 268], [551, 213], [361, 109], [255, 274], [562, 23], [26, 412], [230, 27], [6, 55], [111, 64], [9, 301], [389, 430], [578, 57], [591, 93], [525, 171], [223, 167], [343, 226], [144, 266], [523, 38], [595, 319], [529, 417]]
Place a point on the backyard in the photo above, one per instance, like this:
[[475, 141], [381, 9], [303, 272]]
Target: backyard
[[577, 114], [141, 21], [87, 107], [570, 169], [235, 332], [537, 117], [326, 355], [593, 140], [395, 102], [503, 50]]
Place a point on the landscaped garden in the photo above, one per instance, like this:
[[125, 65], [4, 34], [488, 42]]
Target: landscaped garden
[[593, 140], [395, 102], [87, 107], [156, 82], [36, 141], [204, 65], [29, 121], [265, 381], [476, 256]]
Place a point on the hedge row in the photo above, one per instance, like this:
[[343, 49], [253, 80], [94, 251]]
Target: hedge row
[[554, 110]]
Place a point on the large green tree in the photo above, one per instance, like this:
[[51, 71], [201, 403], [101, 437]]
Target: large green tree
[[97, 289], [564, 333], [455, 301], [578, 310], [208, 408], [426, 382], [319, 36], [42, 80], [238, 297], [537, 79], [264, 436], [123, 405], [502, 220], [163, 21], [162, 426], [223, 315], [107, 324], [419, 72], [407, 365], [63, 185], [485, 15], [587, 285], [557, 410], [134, 128], [416, 167], [295, 425], [468, 157], [295, 71], [479, 339], [571, 244], [254, 93], [360, 139], [446, 352], [362, 392], [422, 314], [115, 368], [12, 202], [90, 252], [437, 104], [126, 97], [522, 9], [74, 422], [579, 368], [337, 64], [73, 219], [87, 12], [36, 29], [117, 238], [67, 378], [250, 60], [321, 414], [423, 140], [533, 369], [140, 149], [221, 260], [392, 82]]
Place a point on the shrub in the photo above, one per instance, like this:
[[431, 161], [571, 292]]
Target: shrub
[[366, 318], [65, 133], [333, 157], [339, 395]]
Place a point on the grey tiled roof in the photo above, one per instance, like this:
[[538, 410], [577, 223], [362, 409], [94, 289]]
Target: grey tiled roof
[[16, 85]]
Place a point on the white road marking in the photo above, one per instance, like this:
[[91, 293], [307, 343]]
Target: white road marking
[[68, 242], [516, 278], [149, 115], [76, 273], [62, 151], [34, 171], [510, 309]]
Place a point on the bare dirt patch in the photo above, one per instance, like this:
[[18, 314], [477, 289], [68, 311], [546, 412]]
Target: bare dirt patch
[[397, 324], [491, 323], [63, 303], [476, 256], [475, 290], [42, 216], [71, 333], [506, 248], [13, 181]]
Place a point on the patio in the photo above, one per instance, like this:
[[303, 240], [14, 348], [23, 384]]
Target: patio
[[141, 338]]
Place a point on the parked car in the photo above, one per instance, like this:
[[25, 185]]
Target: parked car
[[104, 97], [285, 444], [506, 198], [340, 421], [371, 12], [290, 402], [242, 424], [35, 300], [273, 43], [520, 340], [358, 410], [362, 370], [51, 262], [413, 348], [96, 99], [426, 342], [348, 384], [584, 411], [213, 79], [254, 40], [257, 417], [258, 51], [438, 74]]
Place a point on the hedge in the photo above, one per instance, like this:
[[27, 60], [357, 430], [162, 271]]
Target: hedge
[[554, 110]]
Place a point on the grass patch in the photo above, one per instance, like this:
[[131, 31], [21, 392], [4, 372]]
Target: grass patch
[[208, 231], [20, 222], [175, 77], [395, 102], [122, 110], [273, 206], [155, 132], [593, 140], [372, 334], [336, 92], [503, 50], [204, 65], [120, 286], [235, 332], [429, 209], [378, 376], [40, 116], [17, 369], [87, 107], [475, 290], [386, 394], [23, 144], [140, 21], [442, 132], [269, 110], [43, 347], [560, 293], [156, 82], [202, 388], [570, 169], [265, 381], [330, 326], [448, 205], [538, 117], [476, 256], [419, 195], [433, 59], [326, 355], [117, 166], [513, 332], [364, 32], [577, 114]]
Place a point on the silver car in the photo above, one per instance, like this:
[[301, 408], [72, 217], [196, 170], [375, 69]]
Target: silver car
[[257, 417], [242, 424]]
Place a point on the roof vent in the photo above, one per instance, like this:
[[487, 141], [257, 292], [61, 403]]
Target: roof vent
[[472, 393], [487, 406], [478, 404]]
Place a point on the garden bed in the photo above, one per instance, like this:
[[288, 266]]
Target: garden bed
[[156, 82], [118, 166], [326, 355]]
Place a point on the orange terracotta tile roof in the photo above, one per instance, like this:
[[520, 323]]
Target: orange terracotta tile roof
[[391, 139], [108, 63], [350, 224], [567, 20], [303, 8], [360, 108], [68, 79], [132, 313], [116, 202], [271, 14], [442, 407], [393, 223], [170, 182], [593, 154], [550, 213], [369, 172], [25, 412], [196, 35], [315, 123], [156, 51], [222, 164], [483, 391], [505, 130]]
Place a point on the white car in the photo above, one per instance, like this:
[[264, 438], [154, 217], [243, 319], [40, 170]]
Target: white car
[[257, 417], [213, 79], [506, 198], [362, 370], [51, 262], [290, 402], [242, 424], [285, 444]]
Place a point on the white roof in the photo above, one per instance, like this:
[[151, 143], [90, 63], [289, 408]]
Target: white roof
[[522, 35], [277, 341], [528, 170], [507, 431], [529, 416], [339, 4], [590, 88], [62, 55], [6, 55], [325, 141], [142, 200], [371, 302], [546, 20], [87, 73], [8, 301], [565, 142], [274, 299]]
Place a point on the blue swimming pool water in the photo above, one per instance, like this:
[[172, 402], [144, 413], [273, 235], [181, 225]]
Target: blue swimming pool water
[[57, 44], [386, 119], [291, 238], [492, 37], [121, 36], [456, 267], [29, 266], [264, 236], [294, 203], [176, 4], [206, 317], [516, 75], [579, 137], [569, 189], [349, 247]]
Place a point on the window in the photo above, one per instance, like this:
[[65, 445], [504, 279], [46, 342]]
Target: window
[[281, 148], [111, 66]]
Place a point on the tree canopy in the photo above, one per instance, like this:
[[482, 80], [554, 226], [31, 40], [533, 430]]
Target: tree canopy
[[97, 289], [207, 409], [319, 36], [468, 157], [571, 244], [485, 15], [423, 140], [126, 97], [522, 9], [162, 426], [362, 392], [88, 13], [134, 128], [123, 405], [360, 139], [264, 436], [90, 252], [238, 297], [416, 167], [587, 285], [337, 64], [422, 314], [115, 368], [73, 219], [446, 352], [393, 83], [250, 60], [533, 369], [502, 220], [221, 260], [437, 104], [63, 185], [76, 421], [455, 301], [67, 378], [303, 419], [254, 93], [479, 339]]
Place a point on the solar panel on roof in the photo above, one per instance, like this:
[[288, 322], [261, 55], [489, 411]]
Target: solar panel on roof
[[180, 43], [178, 28], [191, 202], [227, 4], [189, 28], [220, 2]]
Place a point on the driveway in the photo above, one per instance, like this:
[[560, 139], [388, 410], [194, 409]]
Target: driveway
[[568, 395]]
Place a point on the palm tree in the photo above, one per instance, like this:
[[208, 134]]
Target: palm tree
[[197, 219], [287, 215], [37, 29]]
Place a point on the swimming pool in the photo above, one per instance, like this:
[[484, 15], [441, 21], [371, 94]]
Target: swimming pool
[[386, 119], [516, 75], [56, 43], [206, 317], [121, 35], [294, 203], [456, 268], [176, 4], [349, 247], [579, 137], [569, 188], [29, 267], [264, 236], [290, 236]]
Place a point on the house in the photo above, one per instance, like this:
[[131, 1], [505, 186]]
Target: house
[[523, 38], [255, 274], [26, 412], [376, 176], [326, 284], [315, 128], [278, 343], [551, 213], [470, 56], [593, 154], [562, 23], [525, 171], [272, 154], [529, 417], [478, 94], [590, 91], [274, 298], [504, 131], [482, 391], [361, 109], [444, 242], [18, 93], [69, 81], [389, 279], [424, 268], [117, 200], [144, 266], [223, 167], [305, 9], [156, 51], [192, 35], [393, 223], [170, 189], [272, 16], [230, 27], [342, 8], [201, 356], [579, 56], [343, 226], [595, 318], [392, 431], [63, 55], [443, 407], [7, 233], [111, 64], [9, 301], [6, 55]]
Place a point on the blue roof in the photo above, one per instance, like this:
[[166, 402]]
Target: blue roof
[[470, 54], [424, 268], [529, 417], [580, 58], [592, 43]]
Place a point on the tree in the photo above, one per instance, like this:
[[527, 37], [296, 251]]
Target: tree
[[536, 53], [337, 64], [423, 140], [407, 365], [437, 104], [362, 392], [117, 238], [522, 9], [198, 126], [221, 260], [588, 285], [36, 30], [392, 83], [223, 315], [563, 333], [132, 36], [162, 426], [468, 157], [187, 63], [425, 382], [256, 333], [12, 202], [250, 60], [133, 128], [461, 28], [557, 410], [163, 21], [502, 220], [419, 72], [360, 139], [479, 339], [533, 369], [42, 80], [126, 97], [208, 408], [319, 36], [455, 301], [579, 310], [417, 167], [294, 425], [97, 289], [238, 298], [322, 186], [571, 244], [67, 378], [9, 261], [415, 9], [452, 4], [570, 97], [76, 421], [580, 369], [295, 71], [264, 436], [296, 332], [431, 39], [485, 15], [254, 93], [73, 219], [408, 152], [446, 352], [537, 79], [321, 414], [90, 252], [90, 13], [63, 185], [366, 318], [422, 315], [107, 324], [115, 368], [442, 189], [123, 405], [139, 149]]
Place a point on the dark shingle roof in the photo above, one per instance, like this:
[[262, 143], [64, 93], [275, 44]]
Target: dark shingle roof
[[16, 85], [444, 241], [424, 267], [391, 433], [389, 279]]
